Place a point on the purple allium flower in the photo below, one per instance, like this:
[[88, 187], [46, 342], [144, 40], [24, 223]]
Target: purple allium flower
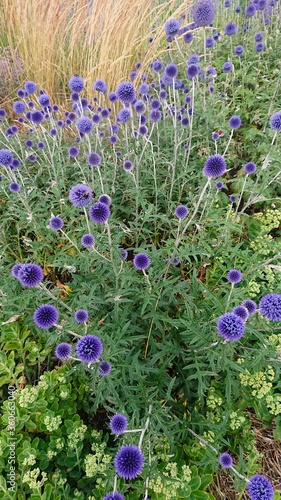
[[250, 10], [93, 159], [99, 212], [155, 104], [113, 496], [84, 125], [87, 240], [44, 100], [63, 351], [234, 122], [250, 168], [112, 97], [104, 198], [231, 327], [270, 306], [96, 118], [124, 115], [37, 117], [259, 47], [260, 488], [80, 195], [203, 12], [141, 261], [227, 3], [250, 305], [193, 59], [215, 136], [241, 311], [227, 67], [261, 4], [53, 132], [171, 70], [274, 122], [127, 165], [15, 270], [187, 37], [192, 71], [143, 130], [155, 115], [15, 163], [113, 139], [143, 88], [133, 75], [46, 316], [29, 143], [76, 83], [89, 348], [129, 461], [172, 27], [81, 316], [6, 157], [210, 42], [219, 185], [234, 276], [126, 93], [30, 275], [181, 211], [40, 145], [230, 29], [104, 368], [56, 223], [19, 107], [30, 87], [226, 460], [185, 122], [215, 166], [124, 253], [140, 107], [238, 50], [232, 199], [157, 66], [258, 37], [118, 424], [163, 94], [14, 187], [100, 86], [73, 151]]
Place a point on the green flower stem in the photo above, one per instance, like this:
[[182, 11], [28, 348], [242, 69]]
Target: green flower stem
[[145, 427]]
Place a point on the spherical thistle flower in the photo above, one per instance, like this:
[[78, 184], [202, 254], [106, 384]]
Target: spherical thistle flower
[[231, 327], [270, 306], [215, 166], [56, 223], [100, 86], [258, 37], [261, 4], [140, 107], [143, 88], [63, 351], [203, 12], [157, 66], [155, 115], [99, 212], [127, 165], [234, 276], [80, 195], [274, 122], [30, 87], [215, 136], [19, 107], [104, 198], [118, 424], [32, 158], [14, 187], [89, 348], [81, 316], [250, 168], [129, 462], [104, 368], [230, 29], [15, 270], [87, 240], [29, 143], [44, 100], [250, 305], [124, 115], [76, 83], [40, 145], [124, 253], [171, 70], [238, 50], [141, 261], [172, 27], [93, 159], [6, 157], [259, 47], [226, 460], [30, 275], [37, 117], [46, 316], [73, 152], [181, 211], [219, 185], [192, 71], [241, 311], [15, 163], [155, 104], [126, 93], [260, 488], [250, 10], [227, 67], [113, 496], [210, 42], [234, 122], [84, 125]]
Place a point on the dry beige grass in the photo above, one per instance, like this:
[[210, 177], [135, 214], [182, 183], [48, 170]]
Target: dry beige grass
[[59, 38]]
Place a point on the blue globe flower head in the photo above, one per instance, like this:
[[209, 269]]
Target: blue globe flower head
[[100, 86], [80, 195], [15, 270], [181, 211], [270, 306], [124, 115], [235, 122], [127, 165], [155, 115], [250, 305], [30, 87], [104, 368], [129, 462], [118, 424], [157, 66], [172, 27], [56, 223], [234, 276], [219, 185], [44, 100], [250, 168], [143, 88], [84, 125], [188, 37], [141, 261], [203, 12], [81, 316], [250, 10], [193, 59], [215, 166], [87, 240], [261, 4], [112, 97], [63, 351], [93, 159], [105, 198], [192, 71], [30, 275], [37, 117], [19, 107], [89, 348], [14, 187], [46, 316], [241, 311], [231, 327], [210, 42], [259, 46], [258, 37], [230, 29], [99, 212], [171, 70], [238, 9], [155, 104], [227, 67], [274, 122], [225, 460], [113, 496], [215, 136], [6, 157], [124, 253], [238, 50], [166, 80], [126, 93], [73, 151], [76, 83], [260, 488]]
